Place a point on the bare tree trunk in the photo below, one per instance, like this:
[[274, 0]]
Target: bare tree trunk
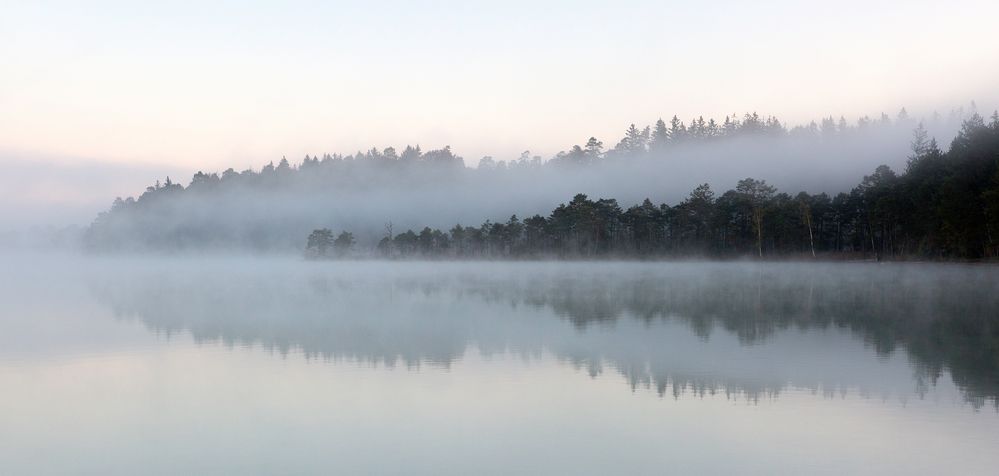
[[390, 236], [811, 239], [806, 213]]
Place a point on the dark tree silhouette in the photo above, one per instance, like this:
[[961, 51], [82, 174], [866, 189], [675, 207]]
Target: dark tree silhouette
[[944, 205], [319, 243]]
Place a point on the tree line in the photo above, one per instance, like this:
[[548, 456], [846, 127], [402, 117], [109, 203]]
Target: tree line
[[274, 207], [638, 142], [944, 205]]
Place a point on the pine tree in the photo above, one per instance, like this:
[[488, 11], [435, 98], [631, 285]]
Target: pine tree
[[660, 136]]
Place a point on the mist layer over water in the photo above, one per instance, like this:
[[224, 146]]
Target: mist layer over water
[[363, 193], [235, 366]]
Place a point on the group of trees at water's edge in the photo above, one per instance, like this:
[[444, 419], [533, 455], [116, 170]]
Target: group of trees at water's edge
[[274, 208], [322, 244], [945, 205]]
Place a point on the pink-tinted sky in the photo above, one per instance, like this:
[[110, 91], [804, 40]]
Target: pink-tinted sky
[[187, 86]]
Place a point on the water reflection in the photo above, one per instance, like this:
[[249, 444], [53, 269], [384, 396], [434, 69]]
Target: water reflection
[[739, 329]]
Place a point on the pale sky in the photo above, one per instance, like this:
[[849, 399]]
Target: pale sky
[[194, 86]]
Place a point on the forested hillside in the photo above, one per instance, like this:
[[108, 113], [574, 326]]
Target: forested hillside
[[944, 205], [941, 205]]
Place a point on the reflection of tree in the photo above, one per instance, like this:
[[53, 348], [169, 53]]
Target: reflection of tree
[[318, 318], [945, 318]]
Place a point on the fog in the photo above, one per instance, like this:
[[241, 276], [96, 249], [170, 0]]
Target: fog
[[364, 195], [43, 195], [743, 329], [499, 237], [221, 364]]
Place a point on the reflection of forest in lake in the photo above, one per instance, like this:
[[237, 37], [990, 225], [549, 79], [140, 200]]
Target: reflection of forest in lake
[[687, 327]]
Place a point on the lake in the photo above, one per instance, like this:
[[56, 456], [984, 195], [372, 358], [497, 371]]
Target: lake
[[228, 365]]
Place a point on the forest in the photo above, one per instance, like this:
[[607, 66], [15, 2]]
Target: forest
[[943, 205]]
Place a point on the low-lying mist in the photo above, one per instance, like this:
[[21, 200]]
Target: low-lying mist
[[367, 193], [752, 329]]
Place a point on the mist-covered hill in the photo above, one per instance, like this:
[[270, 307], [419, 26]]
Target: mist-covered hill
[[276, 207]]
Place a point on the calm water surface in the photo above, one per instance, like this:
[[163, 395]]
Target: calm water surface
[[278, 366]]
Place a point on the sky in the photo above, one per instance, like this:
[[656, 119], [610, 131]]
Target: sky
[[182, 86]]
